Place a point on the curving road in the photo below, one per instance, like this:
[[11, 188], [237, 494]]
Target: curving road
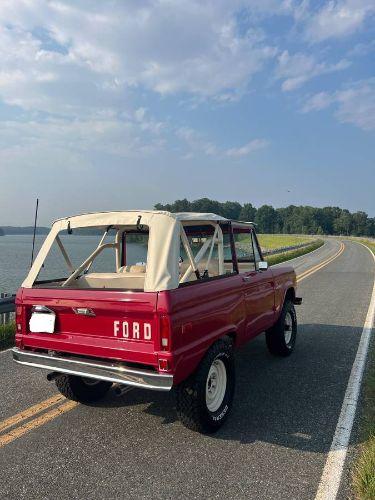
[[274, 445]]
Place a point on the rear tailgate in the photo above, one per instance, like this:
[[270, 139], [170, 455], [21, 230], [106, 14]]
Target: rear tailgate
[[99, 323]]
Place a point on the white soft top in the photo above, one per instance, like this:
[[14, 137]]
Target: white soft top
[[124, 218], [163, 244]]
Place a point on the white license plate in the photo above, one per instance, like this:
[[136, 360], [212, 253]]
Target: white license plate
[[42, 323]]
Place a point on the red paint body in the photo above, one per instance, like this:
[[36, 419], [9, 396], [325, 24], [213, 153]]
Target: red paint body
[[192, 317]]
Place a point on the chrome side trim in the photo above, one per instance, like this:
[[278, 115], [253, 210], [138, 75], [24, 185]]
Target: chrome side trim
[[98, 370]]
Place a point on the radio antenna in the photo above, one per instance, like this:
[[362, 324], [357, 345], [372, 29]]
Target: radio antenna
[[35, 220]]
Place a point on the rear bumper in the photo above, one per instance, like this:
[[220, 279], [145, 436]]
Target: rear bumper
[[98, 370]]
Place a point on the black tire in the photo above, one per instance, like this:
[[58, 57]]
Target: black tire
[[192, 406], [279, 342], [81, 389]]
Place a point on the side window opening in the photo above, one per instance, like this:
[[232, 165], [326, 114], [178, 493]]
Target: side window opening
[[257, 255], [244, 249], [210, 248], [134, 245]]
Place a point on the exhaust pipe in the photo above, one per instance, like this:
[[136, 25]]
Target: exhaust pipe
[[121, 389]]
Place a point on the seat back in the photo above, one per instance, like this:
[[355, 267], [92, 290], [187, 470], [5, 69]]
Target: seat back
[[123, 281], [213, 268]]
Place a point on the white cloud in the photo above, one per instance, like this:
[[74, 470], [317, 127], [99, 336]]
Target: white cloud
[[362, 49], [354, 104], [246, 149], [337, 19], [163, 46], [297, 69], [74, 70], [109, 135], [198, 144], [195, 142], [317, 102]]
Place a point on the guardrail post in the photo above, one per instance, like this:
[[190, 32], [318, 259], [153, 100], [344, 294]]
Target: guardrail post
[[2, 316], [7, 308], [6, 315]]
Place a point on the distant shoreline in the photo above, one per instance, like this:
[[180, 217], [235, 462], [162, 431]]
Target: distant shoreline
[[43, 231], [17, 230]]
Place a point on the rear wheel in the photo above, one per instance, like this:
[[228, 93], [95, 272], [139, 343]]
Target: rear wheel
[[281, 338], [84, 390], [205, 399]]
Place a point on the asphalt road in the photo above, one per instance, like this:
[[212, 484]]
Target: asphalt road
[[274, 445]]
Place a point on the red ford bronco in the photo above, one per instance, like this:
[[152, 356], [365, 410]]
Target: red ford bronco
[[160, 302]]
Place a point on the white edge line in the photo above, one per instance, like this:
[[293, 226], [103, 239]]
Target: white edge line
[[5, 350], [331, 478]]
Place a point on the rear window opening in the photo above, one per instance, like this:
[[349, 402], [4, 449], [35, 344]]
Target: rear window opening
[[97, 258]]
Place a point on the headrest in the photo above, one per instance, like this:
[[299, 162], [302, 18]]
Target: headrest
[[136, 268]]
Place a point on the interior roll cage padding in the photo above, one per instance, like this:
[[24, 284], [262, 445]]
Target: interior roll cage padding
[[88, 261], [65, 255], [233, 249], [217, 237], [193, 265]]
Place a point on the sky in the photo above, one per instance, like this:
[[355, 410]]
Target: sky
[[115, 105]]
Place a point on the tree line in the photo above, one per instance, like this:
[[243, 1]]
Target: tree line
[[290, 220]]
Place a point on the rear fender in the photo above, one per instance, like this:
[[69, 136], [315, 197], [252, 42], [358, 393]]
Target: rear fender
[[189, 360]]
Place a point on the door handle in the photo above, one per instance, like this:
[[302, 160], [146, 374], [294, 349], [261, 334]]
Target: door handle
[[246, 279]]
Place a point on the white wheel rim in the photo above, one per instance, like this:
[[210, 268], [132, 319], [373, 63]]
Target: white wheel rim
[[216, 385], [288, 328]]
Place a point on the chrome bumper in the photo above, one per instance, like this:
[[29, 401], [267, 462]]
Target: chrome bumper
[[98, 370]]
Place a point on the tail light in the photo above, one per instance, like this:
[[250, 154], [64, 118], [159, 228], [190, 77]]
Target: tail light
[[165, 333], [163, 365], [19, 318]]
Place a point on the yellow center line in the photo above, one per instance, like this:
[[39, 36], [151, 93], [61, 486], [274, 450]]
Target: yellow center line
[[36, 422], [69, 405], [319, 266], [30, 412]]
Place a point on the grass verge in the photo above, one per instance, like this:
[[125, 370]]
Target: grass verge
[[369, 243], [363, 474], [292, 254], [272, 241], [7, 333]]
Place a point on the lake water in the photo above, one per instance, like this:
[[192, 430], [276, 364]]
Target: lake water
[[15, 256]]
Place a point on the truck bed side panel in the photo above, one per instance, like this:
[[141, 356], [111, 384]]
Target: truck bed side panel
[[200, 314]]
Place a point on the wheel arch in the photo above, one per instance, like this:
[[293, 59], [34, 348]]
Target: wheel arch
[[187, 364], [232, 336], [290, 294]]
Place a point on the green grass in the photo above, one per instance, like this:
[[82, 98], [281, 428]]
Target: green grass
[[292, 254], [7, 333], [272, 241], [364, 468]]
